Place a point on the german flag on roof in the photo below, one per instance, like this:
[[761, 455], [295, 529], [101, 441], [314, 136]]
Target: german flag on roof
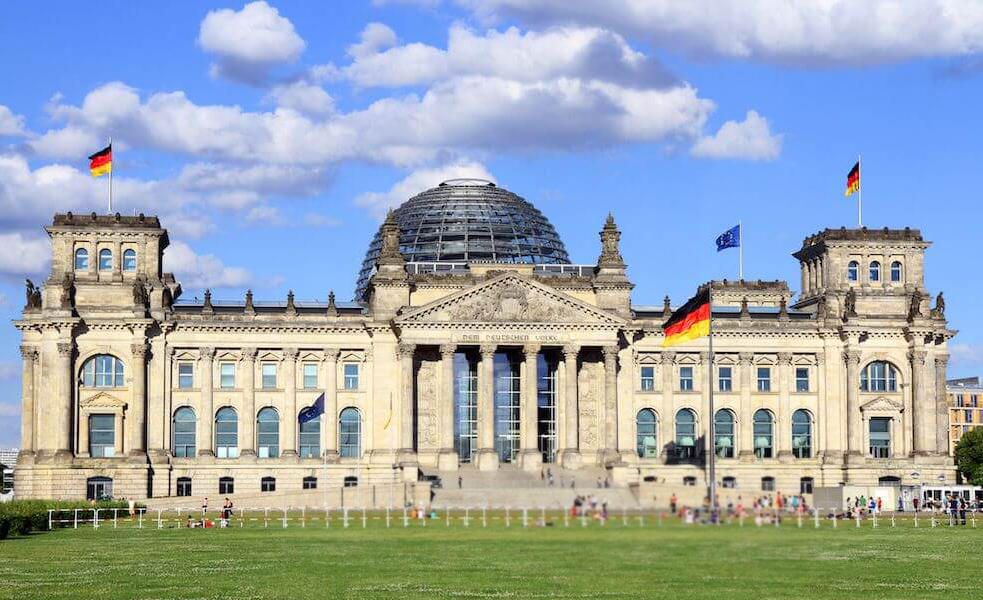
[[690, 321], [101, 162], [853, 179]]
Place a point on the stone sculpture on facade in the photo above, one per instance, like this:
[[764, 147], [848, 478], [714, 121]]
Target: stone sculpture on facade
[[33, 296]]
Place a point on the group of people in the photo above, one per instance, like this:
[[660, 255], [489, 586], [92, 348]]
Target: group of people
[[765, 509], [589, 506], [224, 519]]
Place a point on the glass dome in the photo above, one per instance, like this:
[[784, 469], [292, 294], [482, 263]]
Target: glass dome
[[467, 220]]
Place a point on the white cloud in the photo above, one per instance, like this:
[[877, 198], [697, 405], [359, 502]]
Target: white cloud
[[23, 255], [3, 299], [11, 124], [316, 220], [749, 139], [9, 370], [781, 31], [9, 409], [248, 43], [378, 203], [375, 37], [202, 270], [303, 97]]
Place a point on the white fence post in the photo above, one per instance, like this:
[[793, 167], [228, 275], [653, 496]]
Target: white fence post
[[525, 517], [95, 518], [49, 519], [344, 517], [115, 510], [284, 518], [160, 524], [140, 517], [815, 511], [327, 517], [303, 517], [507, 522], [387, 517], [484, 516], [406, 521], [364, 519]]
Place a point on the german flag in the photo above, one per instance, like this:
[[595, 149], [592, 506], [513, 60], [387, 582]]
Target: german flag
[[690, 321], [102, 161], [853, 179]]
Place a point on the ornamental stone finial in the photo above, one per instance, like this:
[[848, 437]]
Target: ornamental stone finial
[[207, 308], [250, 309], [389, 253], [666, 307], [291, 309], [745, 312], [610, 239], [332, 308]]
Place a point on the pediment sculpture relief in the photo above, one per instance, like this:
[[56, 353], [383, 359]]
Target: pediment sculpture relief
[[510, 303]]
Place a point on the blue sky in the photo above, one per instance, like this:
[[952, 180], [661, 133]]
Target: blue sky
[[271, 137]]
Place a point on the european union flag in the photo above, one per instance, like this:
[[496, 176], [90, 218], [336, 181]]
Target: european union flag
[[729, 239], [314, 411]]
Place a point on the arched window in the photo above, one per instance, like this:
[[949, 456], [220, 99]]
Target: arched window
[[896, 271], [879, 376], [129, 260], [99, 488], [646, 434], [875, 270], [310, 437], [350, 433], [102, 371], [801, 434], [226, 433], [184, 432], [853, 271], [81, 259], [267, 484], [686, 433], [268, 433], [723, 434], [105, 259], [764, 434]]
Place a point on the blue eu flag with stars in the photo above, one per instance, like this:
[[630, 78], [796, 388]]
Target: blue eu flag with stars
[[314, 411], [729, 239]]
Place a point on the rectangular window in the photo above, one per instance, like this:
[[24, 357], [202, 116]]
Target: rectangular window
[[183, 486], [351, 376], [267, 484], [226, 485], [725, 382], [685, 379], [310, 376], [969, 416], [767, 484], [310, 483], [102, 435], [764, 379], [959, 400], [880, 437], [648, 379], [802, 379], [227, 375], [186, 375], [269, 376]]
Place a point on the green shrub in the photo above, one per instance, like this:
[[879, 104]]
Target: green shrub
[[21, 517]]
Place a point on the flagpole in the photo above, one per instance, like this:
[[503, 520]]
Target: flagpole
[[712, 484], [860, 198], [110, 176], [740, 250]]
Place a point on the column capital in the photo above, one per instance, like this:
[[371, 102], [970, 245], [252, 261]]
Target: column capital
[[487, 350], [941, 361], [745, 358], [820, 358], [65, 348], [206, 352], [571, 350], [29, 353], [138, 349], [447, 350], [249, 353], [406, 350], [290, 353], [917, 357], [668, 358], [704, 357], [785, 358], [531, 349], [610, 351], [852, 357], [331, 353]]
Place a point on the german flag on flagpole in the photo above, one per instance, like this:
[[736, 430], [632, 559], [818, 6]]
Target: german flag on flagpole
[[102, 161], [690, 321], [853, 179]]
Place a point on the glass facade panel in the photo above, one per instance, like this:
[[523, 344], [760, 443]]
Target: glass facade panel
[[351, 376], [310, 376], [81, 259], [508, 390], [647, 434], [802, 379], [268, 433], [350, 433], [103, 371], [880, 437], [686, 379], [102, 435], [105, 259], [226, 433], [310, 438], [879, 376], [647, 383], [269, 376], [546, 366], [764, 434], [130, 260], [724, 434], [186, 375], [227, 375], [465, 406], [801, 434], [764, 379], [184, 432], [725, 382], [686, 434]]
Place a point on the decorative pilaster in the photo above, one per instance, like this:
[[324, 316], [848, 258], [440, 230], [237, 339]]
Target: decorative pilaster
[[447, 458], [783, 437], [63, 420], [530, 457], [137, 418], [941, 405], [406, 354], [853, 417], [289, 448], [570, 457], [746, 432], [29, 354], [486, 457], [665, 424], [918, 403], [206, 420], [247, 442], [329, 420], [611, 415]]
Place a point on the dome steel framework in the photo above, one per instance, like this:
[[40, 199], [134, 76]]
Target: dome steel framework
[[469, 220]]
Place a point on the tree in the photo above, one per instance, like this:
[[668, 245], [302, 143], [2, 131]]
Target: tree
[[969, 455]]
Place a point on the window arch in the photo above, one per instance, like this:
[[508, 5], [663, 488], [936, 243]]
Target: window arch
[[129, 260], [686, 433], [879, 376], [875, 270], [350, 433], [268, 432], [764, 434], [310, 437], [184, 432], [646, 433], [853, 271], [103, 371], [801, 434], [81, 259], [226, 433], [723, 433], [105, 259], [896, 271]]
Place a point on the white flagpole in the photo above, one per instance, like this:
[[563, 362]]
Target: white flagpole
[[712, 475], [740, 250], [110, 175], [860, 192]]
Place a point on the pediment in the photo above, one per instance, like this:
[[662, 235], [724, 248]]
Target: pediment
[[510, 298], [882, 404], [102, 400]]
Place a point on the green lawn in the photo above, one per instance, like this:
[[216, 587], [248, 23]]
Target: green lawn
[[436, 561]]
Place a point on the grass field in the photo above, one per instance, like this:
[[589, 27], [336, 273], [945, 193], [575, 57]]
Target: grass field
[[436, 561]]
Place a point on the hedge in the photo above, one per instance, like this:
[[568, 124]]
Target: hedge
[[21, 517]]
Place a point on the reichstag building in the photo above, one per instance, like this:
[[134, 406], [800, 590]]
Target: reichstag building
[[474, 343]]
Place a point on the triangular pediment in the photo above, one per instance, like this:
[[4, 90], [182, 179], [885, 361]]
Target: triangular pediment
[[102, 400], [882, 404], [510, 298]]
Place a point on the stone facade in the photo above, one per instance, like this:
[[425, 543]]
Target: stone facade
[[476, 368]]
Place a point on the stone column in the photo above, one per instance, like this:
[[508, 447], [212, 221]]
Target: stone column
[[136, 421], [117, 261], [487, 458], [918, 406], [329, 420], [746, 432], [668, 415], [820, 441], [941, 407], [783, 421], [854, 435], [290, 423], [530, 457], [610, 449], [206, 420], [247, 441], [406, 353], [63, 411], [29, 354], [705, 419], [570, 457], [447, 458]]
